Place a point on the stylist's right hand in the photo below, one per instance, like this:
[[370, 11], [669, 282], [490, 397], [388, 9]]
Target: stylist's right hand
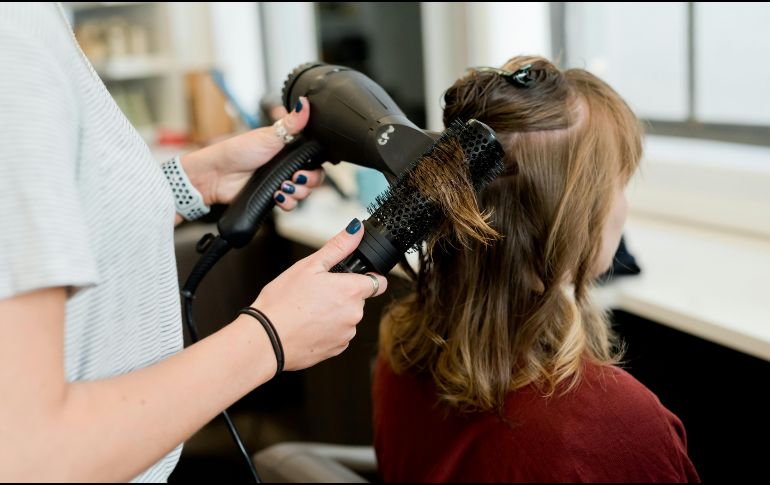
[[316, 312]]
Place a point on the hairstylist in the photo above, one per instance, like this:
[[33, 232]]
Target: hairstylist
[[94, 384]]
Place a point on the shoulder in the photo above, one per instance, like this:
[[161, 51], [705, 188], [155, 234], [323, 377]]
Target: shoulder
[[38, 48], [610, 398], [392, 388], [620, 397], [38, 20], [623, 397], [33, 30], [615, 386], [610, 427]]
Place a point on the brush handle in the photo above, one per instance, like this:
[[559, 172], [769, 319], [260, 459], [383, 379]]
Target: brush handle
[[375, 253]]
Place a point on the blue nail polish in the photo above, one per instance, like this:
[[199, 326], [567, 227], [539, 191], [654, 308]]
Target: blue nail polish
[[280, 198], [354, 226], [288, 188], [298, 106], [301, 180]]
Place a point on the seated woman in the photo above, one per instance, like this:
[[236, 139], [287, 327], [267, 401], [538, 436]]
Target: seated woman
[[498, 367]]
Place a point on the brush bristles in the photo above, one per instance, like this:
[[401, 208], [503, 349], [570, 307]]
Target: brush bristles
[[437, 195]]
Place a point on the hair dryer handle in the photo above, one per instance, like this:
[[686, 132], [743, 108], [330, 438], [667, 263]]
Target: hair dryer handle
[[247, 212]]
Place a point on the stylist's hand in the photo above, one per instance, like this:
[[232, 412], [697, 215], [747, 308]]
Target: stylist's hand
[[220, 171], [315, 312]]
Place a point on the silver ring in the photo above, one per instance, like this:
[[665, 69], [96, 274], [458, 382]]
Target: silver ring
[[282, 133], [375, 284]]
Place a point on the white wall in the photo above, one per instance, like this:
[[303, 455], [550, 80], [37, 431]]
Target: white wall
[[707, 183], [238, 31], [457, 35], [640, 49], [500, 30], [237, 48], [444, 53], [731, 65], [290, 39]]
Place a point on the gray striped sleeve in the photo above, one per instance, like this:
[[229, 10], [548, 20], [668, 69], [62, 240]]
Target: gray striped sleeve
[[44, 240]]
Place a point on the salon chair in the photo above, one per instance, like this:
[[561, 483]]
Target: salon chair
[[308, 462]]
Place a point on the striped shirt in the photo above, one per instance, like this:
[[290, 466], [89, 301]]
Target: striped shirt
[[83, 205]]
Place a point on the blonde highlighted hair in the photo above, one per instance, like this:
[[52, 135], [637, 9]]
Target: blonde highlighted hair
[[489, 317]]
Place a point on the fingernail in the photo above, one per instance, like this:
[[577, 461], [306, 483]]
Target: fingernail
[[280, 198], [288, 188], [354, 226], [298, 106], [301, 179]]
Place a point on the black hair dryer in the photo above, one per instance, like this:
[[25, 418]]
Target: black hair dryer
[[355, 119], [352, 119]]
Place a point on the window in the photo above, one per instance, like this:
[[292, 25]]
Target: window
[[731, 69], [688, 68]]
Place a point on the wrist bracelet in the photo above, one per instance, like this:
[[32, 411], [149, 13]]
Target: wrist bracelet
[[189, 202], [271, 333]]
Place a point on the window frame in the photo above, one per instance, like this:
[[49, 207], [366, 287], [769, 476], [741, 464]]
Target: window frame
[[692, 128]]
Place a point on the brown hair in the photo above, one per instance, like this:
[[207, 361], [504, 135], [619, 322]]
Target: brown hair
[[491, 316]]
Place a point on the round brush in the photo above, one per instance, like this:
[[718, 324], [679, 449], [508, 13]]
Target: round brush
[[465, 158]]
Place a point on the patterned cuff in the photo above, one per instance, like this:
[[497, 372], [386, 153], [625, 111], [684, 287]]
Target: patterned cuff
[[189, 202]]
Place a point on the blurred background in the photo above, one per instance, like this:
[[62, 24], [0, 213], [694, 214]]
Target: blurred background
[[695, 318]]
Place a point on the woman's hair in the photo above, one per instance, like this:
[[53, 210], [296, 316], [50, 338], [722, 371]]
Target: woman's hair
[[487, 318]]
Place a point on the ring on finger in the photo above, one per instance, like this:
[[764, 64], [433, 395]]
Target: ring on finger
[[282, 133], [375, 284]]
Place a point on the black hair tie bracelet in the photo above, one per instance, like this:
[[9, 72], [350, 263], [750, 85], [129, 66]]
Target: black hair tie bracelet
[[271, 333]]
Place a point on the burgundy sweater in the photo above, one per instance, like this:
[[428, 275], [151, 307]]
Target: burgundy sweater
[[609, 429]]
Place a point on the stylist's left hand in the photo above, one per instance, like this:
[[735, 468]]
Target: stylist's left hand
[[220, 171]]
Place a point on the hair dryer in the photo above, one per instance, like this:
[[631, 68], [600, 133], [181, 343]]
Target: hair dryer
[[353, 120]]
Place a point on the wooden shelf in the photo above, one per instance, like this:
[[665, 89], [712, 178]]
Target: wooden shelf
[[79, 6], [142, 51], [127, 68]]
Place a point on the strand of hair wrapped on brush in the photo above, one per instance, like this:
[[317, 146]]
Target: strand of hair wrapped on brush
[[434, 199]]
